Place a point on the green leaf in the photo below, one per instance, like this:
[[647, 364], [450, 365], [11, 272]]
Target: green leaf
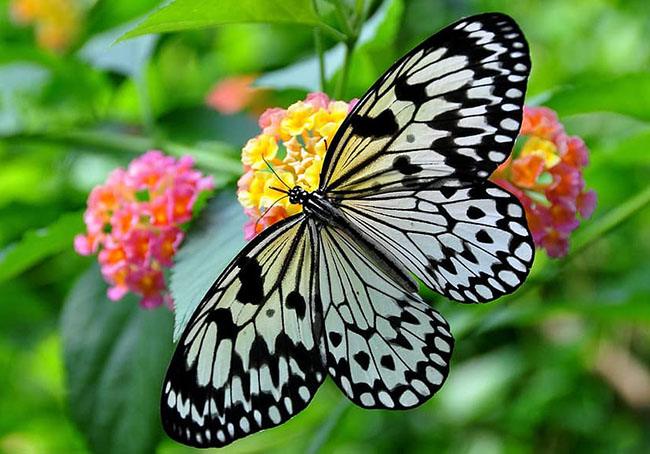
[[214, 239], [115, 358], [127, 58], [106, 14], [379, 30], [193, 14], [632, 151], [37, 245], [627, 95]]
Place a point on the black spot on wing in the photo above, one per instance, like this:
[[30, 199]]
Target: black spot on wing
[[483, 237], [252, 282], [335, 338], [401, 341], [225, 325], [403, 165], [388, 362], [362, 359], [382, 125], [415, 93], [474, 212], [407, 317], [296, 302]]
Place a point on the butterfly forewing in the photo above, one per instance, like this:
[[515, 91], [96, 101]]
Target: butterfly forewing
[[249, 358], [452, 107], [385, 347]]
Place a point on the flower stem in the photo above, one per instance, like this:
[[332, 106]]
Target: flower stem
[[343, 77], [334, 33], [142, 89], [318, 42], [343, 19], [359, 15]]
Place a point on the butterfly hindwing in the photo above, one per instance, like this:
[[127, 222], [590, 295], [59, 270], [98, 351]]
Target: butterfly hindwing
[[468, 241], [384, 346], [249, 358], [451, 107]]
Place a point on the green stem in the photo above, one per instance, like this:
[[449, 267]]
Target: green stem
[[121, 143], [343, 19], [359, 16], [144, 100], [611, 220], [318, 42], [343, 77], [334, 33]]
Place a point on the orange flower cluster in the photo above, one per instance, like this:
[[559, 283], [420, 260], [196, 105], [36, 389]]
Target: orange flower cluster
[[293, 141], [57, 22], [135, 218], [545, 173]]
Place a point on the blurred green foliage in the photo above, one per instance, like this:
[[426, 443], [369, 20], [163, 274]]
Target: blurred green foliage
[[561, 366]]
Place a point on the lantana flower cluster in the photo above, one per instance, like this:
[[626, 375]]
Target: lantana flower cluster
[[292, 143], [134, 221], [57, 22], [545, 173]]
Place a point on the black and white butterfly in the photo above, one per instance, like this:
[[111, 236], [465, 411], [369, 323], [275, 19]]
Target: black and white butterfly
[[403, 189]]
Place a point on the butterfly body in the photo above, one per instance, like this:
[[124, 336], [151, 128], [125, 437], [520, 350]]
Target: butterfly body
[[329, 291]]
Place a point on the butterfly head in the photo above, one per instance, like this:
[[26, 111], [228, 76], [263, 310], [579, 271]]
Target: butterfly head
[[297, 195]]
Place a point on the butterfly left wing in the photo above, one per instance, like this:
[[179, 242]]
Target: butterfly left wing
[[384, 346], [249, 358]]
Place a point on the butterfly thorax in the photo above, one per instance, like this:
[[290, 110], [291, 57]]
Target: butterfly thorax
[[315, 205]]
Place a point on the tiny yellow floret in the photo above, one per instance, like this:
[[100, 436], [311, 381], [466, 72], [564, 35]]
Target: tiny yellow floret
[[545, 149]]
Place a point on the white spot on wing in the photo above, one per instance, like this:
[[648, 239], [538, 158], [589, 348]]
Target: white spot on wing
[[442, 345], [274, 414], [408, 399], [509, 278]]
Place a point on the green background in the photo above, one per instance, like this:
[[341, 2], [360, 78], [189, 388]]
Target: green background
[[561, 366]]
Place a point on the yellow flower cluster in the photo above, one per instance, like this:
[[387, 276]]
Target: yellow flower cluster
[[57, 22], [543, 148], [293, 143]]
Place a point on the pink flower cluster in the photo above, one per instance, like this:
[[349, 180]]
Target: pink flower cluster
[[545, 173], [134, 220]]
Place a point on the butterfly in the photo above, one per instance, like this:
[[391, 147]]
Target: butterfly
[[329, 291]]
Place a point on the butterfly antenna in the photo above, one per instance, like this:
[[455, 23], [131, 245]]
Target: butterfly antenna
[[274, 172], [269, 208]]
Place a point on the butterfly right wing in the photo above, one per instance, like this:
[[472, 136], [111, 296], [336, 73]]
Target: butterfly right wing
[[249, 358], [467, 241], [384, 346], [450, 108]]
